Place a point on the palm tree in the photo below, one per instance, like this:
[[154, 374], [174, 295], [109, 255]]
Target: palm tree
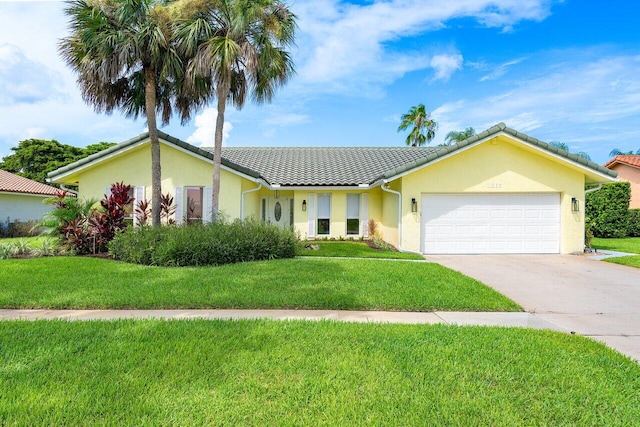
[[424, 128], [560, 145], [617, 152], [454, 136], [565, 147], [239, 46], [124, 58]]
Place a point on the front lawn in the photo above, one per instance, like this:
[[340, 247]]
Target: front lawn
[[353, 250], [203, 372], [631, 261], [305, 283], [627, 244]]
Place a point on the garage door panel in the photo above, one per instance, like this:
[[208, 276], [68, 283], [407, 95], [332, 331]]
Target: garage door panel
[[491, 223]]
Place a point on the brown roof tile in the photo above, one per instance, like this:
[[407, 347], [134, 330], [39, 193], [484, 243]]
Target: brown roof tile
[[624, 159], [12, 183]]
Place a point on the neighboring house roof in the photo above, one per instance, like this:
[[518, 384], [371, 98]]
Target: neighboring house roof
[[624, 159], [12, 183], [333, 166]]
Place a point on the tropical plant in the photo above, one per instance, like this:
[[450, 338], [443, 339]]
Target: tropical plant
[[459, 136], [104, 225], [240, 47], [617, 152], [124, 58], [142, 212], [167, 208], [565, 147], [423, 127]]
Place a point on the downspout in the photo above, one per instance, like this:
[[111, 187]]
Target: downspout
[[242, 199], [68, 190], [385, 187]]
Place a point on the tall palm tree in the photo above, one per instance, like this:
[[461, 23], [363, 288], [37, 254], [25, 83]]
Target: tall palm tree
[[423, 127], [240, 47], [124, 58], [458, 136], [564, 146], [617, 152], [560, 145]]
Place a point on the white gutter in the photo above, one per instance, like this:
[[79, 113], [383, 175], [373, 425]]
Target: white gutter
[[68, 190], [242, 199], [385, 187]]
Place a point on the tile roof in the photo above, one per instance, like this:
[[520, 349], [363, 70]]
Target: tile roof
[[331, 166], [12, 183], [323, 166], [624, 159]]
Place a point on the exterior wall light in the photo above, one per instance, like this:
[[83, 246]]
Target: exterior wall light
[[304, 205], [414, 205], [575, 205], [277, 194]]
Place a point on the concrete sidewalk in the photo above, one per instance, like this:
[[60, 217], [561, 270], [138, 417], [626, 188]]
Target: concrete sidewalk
[[520, 319]]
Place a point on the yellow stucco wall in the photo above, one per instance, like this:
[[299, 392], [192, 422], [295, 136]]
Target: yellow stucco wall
[[179, 168], [497, 166], [338, 226]]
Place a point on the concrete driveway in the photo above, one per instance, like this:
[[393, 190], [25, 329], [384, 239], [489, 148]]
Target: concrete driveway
[[596, 299]]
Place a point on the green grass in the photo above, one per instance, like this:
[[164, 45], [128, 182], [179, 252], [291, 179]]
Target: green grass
[[628, 244], [202, 372], [354, 250], [344, 284], [631, 261]]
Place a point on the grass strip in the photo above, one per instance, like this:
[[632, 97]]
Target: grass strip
[[308, 373], [627, 244], [353, 250], [631, 261], [339, 284]]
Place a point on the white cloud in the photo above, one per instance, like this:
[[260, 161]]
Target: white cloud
[[349, 46], [560, 102], [445, 65], [23, 80], [500, 70], [205, 132]]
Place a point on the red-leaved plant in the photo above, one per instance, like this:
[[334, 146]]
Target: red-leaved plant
[[105, 225]]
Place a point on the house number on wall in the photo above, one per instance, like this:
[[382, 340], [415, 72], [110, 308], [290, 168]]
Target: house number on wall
[[494, 185]]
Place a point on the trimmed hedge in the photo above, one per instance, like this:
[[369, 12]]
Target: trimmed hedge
[[209, 244], [634, 223], [608, 208]]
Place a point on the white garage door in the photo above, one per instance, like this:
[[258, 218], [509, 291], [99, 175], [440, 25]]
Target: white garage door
[[490, 223]]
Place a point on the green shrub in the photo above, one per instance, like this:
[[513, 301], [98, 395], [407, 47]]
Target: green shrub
[[204, 244], [19, 229], [608, 209], [634, 223]]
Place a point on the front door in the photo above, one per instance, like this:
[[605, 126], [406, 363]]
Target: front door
[[278, 211]]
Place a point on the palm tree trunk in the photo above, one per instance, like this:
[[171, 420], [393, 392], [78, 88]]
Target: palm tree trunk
[[156, 175], [223, 92]]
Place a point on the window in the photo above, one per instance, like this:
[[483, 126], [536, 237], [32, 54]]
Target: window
[[194, 204], [324, 213], [353, 214]]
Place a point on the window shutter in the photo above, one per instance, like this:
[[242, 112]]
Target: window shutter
[[206, 204], [364, 215], [107, 191], [138, 196], [311, 211], [179, 205]]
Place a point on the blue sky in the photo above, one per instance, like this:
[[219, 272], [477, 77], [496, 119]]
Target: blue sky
[[564, 71]]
